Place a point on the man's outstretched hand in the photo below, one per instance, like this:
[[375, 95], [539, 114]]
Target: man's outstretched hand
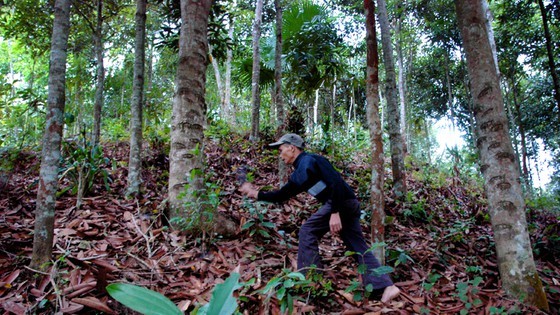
[[248, 190]]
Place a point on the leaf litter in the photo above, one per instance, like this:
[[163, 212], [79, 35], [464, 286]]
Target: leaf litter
[[439, 242]]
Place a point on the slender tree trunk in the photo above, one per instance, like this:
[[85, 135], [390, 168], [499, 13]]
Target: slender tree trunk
[[428, 141], [331, 123], [521, 133], [98, 42], [50, 156], [283, 171], [349, 120], [489, 18], [135, 157], [218, 77], [226, 106], [315, 122], [401, 83], [186, 157], [255, 88], [375, 130], [393, 117], [550, 54], [501, 174], [149, 72]]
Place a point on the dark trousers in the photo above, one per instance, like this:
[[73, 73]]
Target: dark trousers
[[318, 225]]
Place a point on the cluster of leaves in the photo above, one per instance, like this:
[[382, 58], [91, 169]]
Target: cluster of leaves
[[285, 288], [257, 224], [198, 212], [83, 162]]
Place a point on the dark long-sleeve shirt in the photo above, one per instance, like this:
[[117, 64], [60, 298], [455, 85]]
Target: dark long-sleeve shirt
[[314, 174]]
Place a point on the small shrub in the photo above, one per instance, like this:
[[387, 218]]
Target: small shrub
[[257, 223], [82, 163], [289, 286]]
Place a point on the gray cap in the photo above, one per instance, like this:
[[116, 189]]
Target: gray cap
[[290, 138]]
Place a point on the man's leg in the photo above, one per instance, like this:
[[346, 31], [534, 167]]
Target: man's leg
[[354, 240], [309, 235]]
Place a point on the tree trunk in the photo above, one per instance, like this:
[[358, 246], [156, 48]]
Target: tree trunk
[[283, 171], [315, 122], [218, 77], [393, 117], [375, 130], [135, 157], [501, 174], [331, 123], [186, 157], [50, 156], [149, 71], [98, 42], [519, 121], [550, 54], [226, 105], [401, 84], [255, 89]]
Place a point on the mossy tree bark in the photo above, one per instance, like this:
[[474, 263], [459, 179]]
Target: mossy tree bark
[[498, 166], [186, 157], [135, 157], [50, 156]]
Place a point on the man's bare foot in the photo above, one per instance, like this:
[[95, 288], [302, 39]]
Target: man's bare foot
[[390, 293]]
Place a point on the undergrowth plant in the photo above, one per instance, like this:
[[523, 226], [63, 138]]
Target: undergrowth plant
[[467, 292], [415, 208], [200, 207], [82, 163], [356, 288], [257, 223], [288, 286], [149, 302], [398, 256]]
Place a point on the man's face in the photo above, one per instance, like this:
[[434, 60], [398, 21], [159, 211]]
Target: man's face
[[288, 153]]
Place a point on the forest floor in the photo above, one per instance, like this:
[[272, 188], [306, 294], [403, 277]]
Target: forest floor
[[439, 242]]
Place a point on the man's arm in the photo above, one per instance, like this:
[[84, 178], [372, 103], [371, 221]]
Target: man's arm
[[286, 192]]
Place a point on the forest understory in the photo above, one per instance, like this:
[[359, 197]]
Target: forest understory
[[439, 242]]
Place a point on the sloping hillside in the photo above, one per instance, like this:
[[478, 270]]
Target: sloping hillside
[[439, 242]]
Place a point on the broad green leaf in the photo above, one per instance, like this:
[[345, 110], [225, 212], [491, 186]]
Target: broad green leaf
[[264, 233], [271, 284], [476, 281], [280, 293], [269, 225], [383, 270], [296, 275], [362, 269], [462, 286], [142, 300], [353, 286], [247, 225], [222, 301], [290, 301]]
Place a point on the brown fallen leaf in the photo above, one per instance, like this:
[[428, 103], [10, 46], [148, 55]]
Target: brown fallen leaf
[[72, 308], [94, 303], [353, 312]]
